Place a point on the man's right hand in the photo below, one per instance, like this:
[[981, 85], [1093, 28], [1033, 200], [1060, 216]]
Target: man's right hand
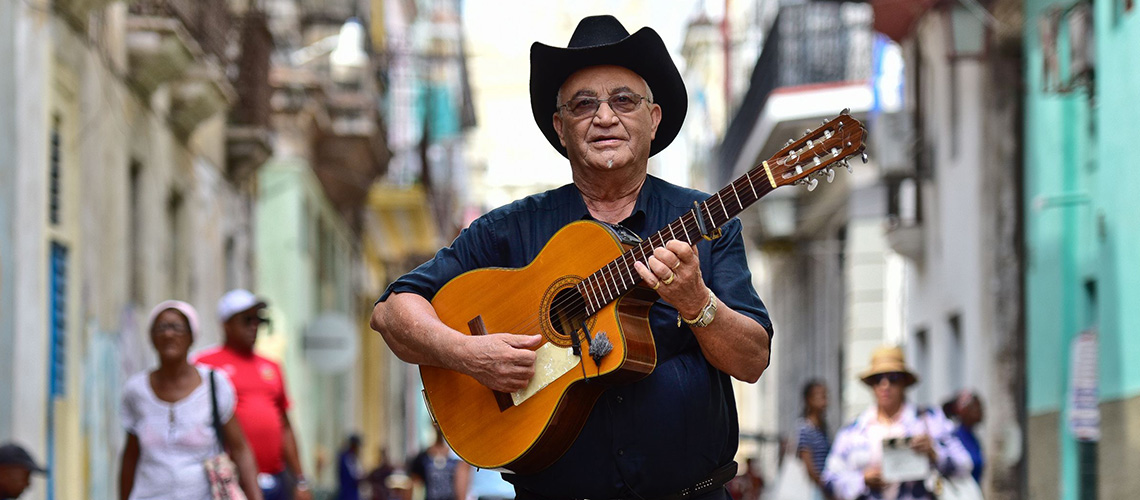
[[501, 361]]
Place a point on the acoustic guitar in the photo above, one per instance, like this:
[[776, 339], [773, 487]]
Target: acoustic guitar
[[582, 294]]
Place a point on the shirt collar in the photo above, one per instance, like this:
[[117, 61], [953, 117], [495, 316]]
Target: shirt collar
[[637, 218]]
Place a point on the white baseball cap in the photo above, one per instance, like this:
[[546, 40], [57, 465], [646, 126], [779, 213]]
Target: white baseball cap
[[236, 301]]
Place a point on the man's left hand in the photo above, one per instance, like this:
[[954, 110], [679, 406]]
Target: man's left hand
[[674, 272]]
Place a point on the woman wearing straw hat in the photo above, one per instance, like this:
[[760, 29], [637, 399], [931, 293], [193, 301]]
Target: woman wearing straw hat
[[855, 470]]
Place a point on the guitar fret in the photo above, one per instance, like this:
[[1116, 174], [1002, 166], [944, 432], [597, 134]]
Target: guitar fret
[[586, 289], [722, 207], [737, 195], [671, 234], [608, 294], [753, 187]]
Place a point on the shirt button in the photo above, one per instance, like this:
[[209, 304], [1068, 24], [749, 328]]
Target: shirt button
[[621, 452], [619, 399]]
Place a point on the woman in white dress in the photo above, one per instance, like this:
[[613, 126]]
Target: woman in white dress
[[168, 416]]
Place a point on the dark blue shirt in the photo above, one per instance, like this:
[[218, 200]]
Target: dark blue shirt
[[970, 442], [664, 432]]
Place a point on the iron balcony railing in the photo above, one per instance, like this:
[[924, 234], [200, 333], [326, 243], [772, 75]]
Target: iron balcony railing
[[208, 21], [809, 43]]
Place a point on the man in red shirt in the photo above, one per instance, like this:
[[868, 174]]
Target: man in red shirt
[[261, 399]]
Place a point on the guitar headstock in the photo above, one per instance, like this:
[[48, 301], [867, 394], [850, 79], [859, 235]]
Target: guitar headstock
[[818, 152]]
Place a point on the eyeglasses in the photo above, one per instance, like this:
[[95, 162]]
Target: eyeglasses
[[621, 102], [170, 327], [251, 320], [893, 378]]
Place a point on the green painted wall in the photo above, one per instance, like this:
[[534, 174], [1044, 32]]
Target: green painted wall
[[305, 255]]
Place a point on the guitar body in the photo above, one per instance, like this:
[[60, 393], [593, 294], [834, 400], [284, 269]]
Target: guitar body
[[531, 435]]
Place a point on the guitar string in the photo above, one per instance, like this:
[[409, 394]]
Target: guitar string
[[579, 300], [689, 226]]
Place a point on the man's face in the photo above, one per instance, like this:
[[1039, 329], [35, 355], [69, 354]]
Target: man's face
[[241, 328], [608, 139], [14, 480]]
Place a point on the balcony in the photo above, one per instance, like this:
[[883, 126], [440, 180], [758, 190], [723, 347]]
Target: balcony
[[78, 10], [248, 136], [904, 229], [166, 37], [815, 62], [351, 152], [160, 49], [202, 92]]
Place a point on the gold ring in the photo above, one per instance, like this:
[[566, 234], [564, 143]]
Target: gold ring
[[678, 264], [657, 285], [669, 279]]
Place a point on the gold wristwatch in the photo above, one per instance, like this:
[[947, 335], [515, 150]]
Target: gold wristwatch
[[706, 316]]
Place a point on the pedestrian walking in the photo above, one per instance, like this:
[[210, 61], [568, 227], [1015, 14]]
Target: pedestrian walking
[[814, 442], [349, 471], [16, 468], [377, 479], [856, 467], [262, 404], [168, 414], [434, 470], [966, 409]]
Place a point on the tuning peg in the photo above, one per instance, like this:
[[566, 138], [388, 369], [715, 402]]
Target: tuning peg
[[840, 125], [789, 143], [822, 122], [847, 166], [864, 157], [811, 184], [806, 132], [830, 175], [846, 111]]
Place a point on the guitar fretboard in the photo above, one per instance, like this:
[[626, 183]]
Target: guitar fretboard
[[619, 276]]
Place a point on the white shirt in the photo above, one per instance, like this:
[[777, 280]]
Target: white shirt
[[174, 438]]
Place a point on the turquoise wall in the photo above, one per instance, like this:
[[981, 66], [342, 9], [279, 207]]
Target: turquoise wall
[[1082, 195], [1118, 114]]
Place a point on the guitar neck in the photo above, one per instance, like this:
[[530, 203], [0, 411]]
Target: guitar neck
[[619, 276]]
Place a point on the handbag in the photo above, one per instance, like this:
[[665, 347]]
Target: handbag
[[793, 482], [957, 488], [221, 472]]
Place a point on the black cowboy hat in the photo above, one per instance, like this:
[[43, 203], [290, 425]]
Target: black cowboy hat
[[602, 40]]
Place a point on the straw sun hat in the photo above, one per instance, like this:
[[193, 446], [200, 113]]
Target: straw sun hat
[[888, 359]]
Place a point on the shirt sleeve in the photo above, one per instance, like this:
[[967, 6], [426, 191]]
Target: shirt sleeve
[[128, 407], [841, 476], [731, 280], [227, 396], [283, 402], [475, 247]]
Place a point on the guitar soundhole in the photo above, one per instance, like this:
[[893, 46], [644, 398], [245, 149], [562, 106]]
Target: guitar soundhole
[[567, 312]]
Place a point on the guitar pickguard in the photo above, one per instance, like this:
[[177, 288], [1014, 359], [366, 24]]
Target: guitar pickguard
[[551, 361]]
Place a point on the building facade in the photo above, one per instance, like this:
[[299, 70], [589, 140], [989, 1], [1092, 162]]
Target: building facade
[[116, 192], [1083, 400]]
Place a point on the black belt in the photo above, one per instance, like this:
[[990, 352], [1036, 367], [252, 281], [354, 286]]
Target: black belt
[[717, 479]]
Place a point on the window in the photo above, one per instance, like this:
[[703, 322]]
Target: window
[[135, 236], [57, 311], [921, 366], [55, 174], [956, 359], [176, 265]]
